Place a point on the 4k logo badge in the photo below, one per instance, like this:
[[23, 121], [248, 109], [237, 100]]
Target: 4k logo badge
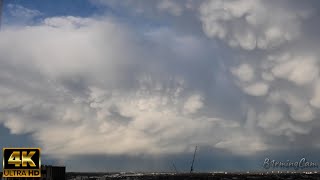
[[21, 162]]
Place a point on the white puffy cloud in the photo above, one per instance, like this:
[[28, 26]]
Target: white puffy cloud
[[78, 83], [301, 70], [274, 122], [162, 90], [299, 108], [257, 89], [249, 24], [244, 72], [193, 104], [279, 65]]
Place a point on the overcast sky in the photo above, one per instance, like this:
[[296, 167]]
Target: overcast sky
[[135, 85]]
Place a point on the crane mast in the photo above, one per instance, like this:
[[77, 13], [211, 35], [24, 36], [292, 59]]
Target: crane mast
[[175, 168], [194, 155]]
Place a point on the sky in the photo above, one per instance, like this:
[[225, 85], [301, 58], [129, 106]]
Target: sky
[[136, 85]]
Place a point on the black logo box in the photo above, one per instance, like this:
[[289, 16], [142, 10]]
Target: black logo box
[[35, 158]]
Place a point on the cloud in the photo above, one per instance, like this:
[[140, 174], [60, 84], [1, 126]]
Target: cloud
[[274, 61], [315, 101], [174, 8], [180, 15], [69, 21], [300, 71], [170, 6], [244, 72], [249, 24], [193, 104], [248, 86], [257, 89], [78, 83], [20, 14], [237, 144]]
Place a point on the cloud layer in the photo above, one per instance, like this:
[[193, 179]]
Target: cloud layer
[[273, 63], [245, 83], [80, 83]]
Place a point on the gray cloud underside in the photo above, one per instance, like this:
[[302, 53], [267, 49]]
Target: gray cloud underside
[[246, 82]]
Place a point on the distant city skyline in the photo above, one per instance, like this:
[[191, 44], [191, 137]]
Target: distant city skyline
[[137, 85]]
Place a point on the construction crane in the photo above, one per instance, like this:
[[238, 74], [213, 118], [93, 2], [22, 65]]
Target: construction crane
[[174, 166], [1, 9], [194, 156]]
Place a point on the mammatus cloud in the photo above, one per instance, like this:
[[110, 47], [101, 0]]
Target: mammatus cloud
[[274, 66], [78, 83], [249, 24]]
